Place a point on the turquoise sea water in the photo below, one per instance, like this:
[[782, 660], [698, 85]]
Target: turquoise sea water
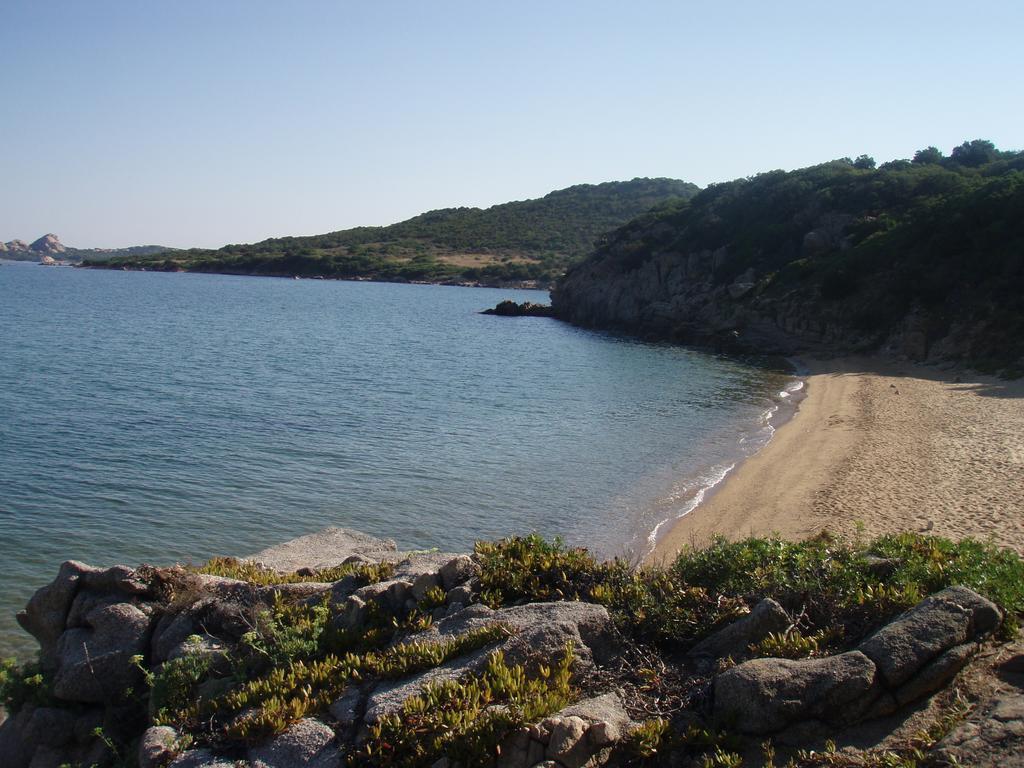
[[148, 417]]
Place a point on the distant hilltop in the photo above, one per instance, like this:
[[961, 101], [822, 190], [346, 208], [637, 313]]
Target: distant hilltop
[[49, 245], [525, 243]]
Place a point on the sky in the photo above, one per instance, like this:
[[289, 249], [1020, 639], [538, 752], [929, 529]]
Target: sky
[[207, 122]]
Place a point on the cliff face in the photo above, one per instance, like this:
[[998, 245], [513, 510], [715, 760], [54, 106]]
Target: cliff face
[[921, 261], [680, 297]]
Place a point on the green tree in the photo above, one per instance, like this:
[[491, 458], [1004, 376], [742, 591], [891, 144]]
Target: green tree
[[927, 156], [975, 153]]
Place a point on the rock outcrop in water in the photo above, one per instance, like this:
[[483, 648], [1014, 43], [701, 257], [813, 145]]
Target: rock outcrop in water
[[436, 665], [515, 309]]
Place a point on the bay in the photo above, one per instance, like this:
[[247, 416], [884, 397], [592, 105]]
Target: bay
[[151, 417]]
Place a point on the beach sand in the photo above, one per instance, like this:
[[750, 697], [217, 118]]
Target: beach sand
[[880, 447]]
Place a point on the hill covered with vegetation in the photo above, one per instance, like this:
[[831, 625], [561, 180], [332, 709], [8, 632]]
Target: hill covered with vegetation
[[530, 240], [923, 256]]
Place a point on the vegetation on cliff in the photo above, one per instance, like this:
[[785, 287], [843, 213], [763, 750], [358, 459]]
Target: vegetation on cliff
[[528, 240], [261, 655], [929, 251]]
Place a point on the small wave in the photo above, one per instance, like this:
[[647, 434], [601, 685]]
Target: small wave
[[713, 478], [792, 389], [781, 410]]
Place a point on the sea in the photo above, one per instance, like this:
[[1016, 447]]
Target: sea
[[148, 417]]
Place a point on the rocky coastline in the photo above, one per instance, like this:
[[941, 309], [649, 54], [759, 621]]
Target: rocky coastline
[[149, 666]]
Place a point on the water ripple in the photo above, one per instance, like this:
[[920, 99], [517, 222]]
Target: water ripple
[[155, 417]]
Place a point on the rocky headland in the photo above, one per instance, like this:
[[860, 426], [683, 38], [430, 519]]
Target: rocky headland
[[49, 249], [338, 649], [918, 259]]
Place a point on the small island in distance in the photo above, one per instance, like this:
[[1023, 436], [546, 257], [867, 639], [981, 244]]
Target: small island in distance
[[48, 249]]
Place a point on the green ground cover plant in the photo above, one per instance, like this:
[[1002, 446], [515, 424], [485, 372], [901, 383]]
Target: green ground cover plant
[[839, 590], [255, 573], [293, 663]]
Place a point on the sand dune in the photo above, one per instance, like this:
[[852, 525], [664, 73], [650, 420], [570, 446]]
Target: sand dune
[[880, 447]]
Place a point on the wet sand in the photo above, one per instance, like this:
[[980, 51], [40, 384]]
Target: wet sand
[[879, 447]]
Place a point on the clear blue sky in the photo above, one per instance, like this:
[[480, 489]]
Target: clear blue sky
[[207, 122]]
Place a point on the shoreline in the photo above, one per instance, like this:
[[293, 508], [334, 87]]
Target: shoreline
[[785, 405], [515, 285], [877, 446]]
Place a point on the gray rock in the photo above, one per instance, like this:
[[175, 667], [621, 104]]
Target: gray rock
[[458, 571], [606, 715], [936, 674], [15, 749], [766, 695], [986, 616], [541, 631], [389, 696], [352, 615], [410, 565], [734, 640], [518, 750], [87, 723], [52, 726], [460, 595], [466, 618], [398, 595], [85, 602], [157, 747], [94, 663], [324, 549], [1013, 665], [739, 290], [423, 584], [883, 706], [992, 735], [199, 645], [49, 244], [567, 744], [171, 631], [201, 758], [936, 624], [345, 710], [46, 613], [119, 579], [228, 616], [544, 629], [390, 594], [343, 588], [307, 744]]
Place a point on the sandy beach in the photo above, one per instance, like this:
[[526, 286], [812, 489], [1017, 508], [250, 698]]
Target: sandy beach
[[881, 447]]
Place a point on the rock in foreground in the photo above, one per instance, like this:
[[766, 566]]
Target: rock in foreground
[[338, 650]]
